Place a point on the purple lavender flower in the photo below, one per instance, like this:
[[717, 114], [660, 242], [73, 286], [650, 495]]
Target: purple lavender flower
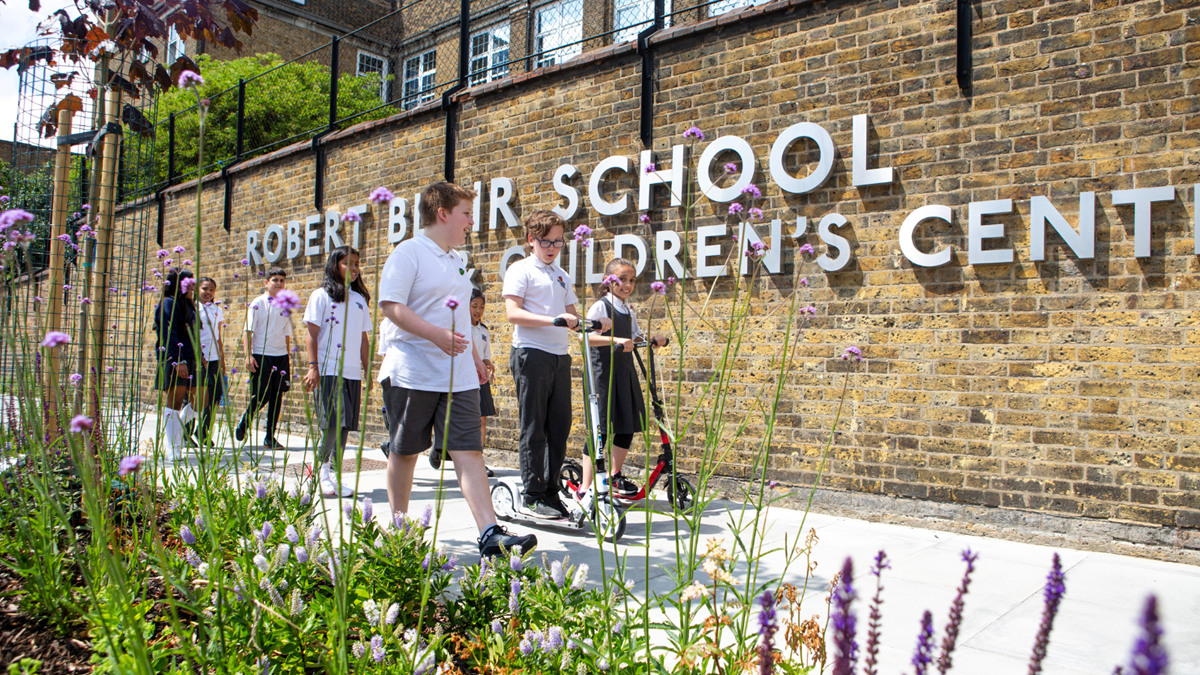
[[55, 338], [301, 554], [267, 529], [1149, 656], [554, 639], [514, 598], [526, 647], [285, 301], [368, 511], [558, 574], [873, 626], [393, 613], [381, 195], [694, 132], [199, 522], [1053, 596], [924, 654], [377, 652], [190, 79], [846, 649], [185, 533], [260, 491], [497, 626], [515, 563], [451, 564], [956, 608], [130, 465], [427, 516], [348, 509], [359, 650], [766, 622], [351, 217], [290, 533]]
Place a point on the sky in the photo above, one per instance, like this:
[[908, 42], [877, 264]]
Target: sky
[[20, 28]]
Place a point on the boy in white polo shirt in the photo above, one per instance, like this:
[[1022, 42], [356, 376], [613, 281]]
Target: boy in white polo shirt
[[431, 364], [268, 338], [536, 292]]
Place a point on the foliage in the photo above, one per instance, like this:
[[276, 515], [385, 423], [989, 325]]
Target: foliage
[[283, 104]]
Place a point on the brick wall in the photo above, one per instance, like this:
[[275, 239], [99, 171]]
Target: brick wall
[[1063, 386]]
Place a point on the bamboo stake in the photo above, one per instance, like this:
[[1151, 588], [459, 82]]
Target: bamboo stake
[[54, 298], [99, 282]]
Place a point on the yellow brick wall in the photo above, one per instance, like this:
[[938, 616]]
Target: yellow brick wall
[[1064, 386]]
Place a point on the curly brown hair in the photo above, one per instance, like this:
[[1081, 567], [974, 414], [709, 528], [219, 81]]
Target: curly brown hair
[[538, 224]]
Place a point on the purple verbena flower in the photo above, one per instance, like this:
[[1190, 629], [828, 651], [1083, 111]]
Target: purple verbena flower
[[452, 301], [644, 219], [582, 232], [694, 132], [651, 168], [381, 195], [807, 249], [75, 378], [80, 424], [285, 301], [130, 465], [735, 208], [190, 79], [852, 352], [752, 190], [659, 287], [611, 280], [755, 213], [351, 217], [179, 249], [186, 284], [55, 338], [731, 168]]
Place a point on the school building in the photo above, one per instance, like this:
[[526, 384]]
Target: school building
[[1002, 198]]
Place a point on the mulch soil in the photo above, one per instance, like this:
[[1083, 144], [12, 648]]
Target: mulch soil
[[24, 637]]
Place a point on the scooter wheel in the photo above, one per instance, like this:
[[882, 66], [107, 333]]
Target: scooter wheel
[[504, 501], [612, 532], [680, 494], [571, 473]]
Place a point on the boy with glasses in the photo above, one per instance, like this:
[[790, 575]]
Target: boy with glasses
[[536, 292]]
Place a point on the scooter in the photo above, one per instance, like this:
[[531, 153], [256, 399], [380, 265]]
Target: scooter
[[680, 493], [596, 506]]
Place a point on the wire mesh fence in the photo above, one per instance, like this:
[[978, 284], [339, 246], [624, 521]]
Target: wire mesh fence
[[81, 271]]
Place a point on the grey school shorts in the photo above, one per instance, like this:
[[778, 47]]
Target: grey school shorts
[[415, 416]]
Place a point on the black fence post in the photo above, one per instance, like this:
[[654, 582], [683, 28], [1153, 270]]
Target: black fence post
[[241, 120], [171, 150], [646, 117], [963, 45], [333, 83]]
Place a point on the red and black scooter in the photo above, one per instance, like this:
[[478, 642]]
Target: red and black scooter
[[680, 493]]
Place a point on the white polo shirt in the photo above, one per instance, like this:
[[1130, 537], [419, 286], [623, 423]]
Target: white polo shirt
[[211, 318], [421, 276], [269, 326], [546, 290], [482, 339], [599, 311], [334, 326]]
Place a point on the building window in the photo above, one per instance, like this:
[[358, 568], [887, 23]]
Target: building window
[[175, 46], [419, 74], [634, 16], [728, 5], [489, 54], [559, 32], [370, 65]]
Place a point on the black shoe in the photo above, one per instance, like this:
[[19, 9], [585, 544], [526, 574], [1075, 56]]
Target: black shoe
[[272, 444], [497, 540], [555, 502], [542, 508], [435, 458], [385, 446], [491, 474], [240, 432], [622, 486]]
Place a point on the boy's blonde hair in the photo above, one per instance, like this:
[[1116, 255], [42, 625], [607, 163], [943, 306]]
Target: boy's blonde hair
[[442, 195], [539, 223]]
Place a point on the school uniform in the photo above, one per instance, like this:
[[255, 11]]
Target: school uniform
[[269, 328], [417, 375], [174, 321], [341, 327], [481, 337], [622, 406], [211, 318], [540, 362]]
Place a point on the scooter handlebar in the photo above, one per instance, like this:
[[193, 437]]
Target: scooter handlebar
[[593, 326]]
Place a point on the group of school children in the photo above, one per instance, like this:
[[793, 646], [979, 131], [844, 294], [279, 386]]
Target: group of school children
[[427, 301]]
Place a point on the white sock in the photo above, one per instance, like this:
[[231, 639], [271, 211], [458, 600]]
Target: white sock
[[187, 414], [325, 470], [172, 432]]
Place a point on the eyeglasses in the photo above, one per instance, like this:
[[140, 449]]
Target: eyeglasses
[[546, 243]]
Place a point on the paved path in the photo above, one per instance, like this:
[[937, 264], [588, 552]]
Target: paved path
[[1094, 631]]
